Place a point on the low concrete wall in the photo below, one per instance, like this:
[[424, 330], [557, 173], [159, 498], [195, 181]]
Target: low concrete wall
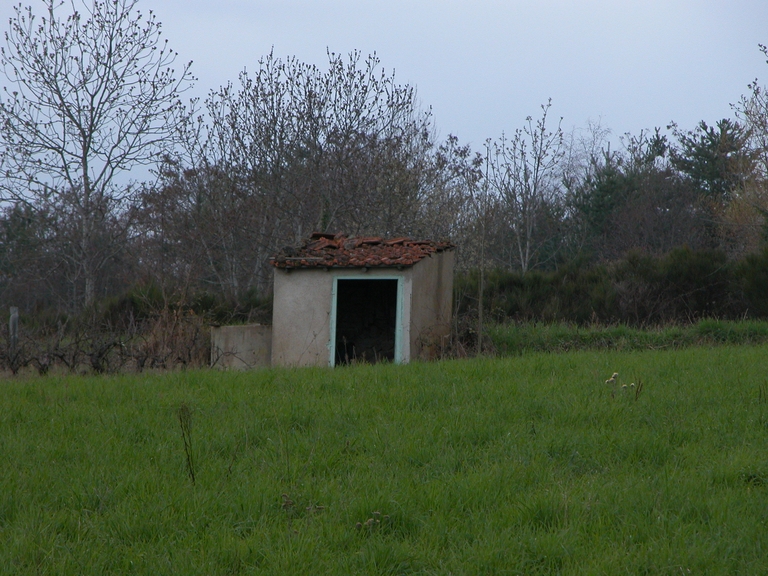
[[241, 347]]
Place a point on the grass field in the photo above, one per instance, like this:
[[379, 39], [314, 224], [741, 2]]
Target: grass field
[[524, 465], [516, 338]]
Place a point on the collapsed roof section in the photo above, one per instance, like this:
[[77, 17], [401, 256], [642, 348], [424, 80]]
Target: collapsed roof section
[[339, 251]]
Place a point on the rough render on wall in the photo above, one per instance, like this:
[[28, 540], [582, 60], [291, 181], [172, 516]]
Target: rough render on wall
[[301, 317], [241, 347], [432, 306]]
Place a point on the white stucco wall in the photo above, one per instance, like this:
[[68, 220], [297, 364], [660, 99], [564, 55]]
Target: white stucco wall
[[301, 317]]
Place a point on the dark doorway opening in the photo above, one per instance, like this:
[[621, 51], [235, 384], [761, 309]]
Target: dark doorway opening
[[366, 312]]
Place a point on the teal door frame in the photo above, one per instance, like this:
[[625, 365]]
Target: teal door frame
[[398, 315]]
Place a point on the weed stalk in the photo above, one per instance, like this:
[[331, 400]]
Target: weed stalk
[[185, 420]]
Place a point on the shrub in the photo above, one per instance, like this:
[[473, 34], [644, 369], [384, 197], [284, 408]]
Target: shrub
[[681, 287]]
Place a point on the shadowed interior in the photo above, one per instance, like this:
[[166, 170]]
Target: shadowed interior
[[365, 320]]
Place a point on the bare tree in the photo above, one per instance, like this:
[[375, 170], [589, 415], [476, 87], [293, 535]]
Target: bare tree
[[749, 210], [525, 171], [752, 111], [293, 149], [90, 96]]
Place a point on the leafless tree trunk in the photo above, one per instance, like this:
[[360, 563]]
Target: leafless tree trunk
[[90, 96], [525, 172]]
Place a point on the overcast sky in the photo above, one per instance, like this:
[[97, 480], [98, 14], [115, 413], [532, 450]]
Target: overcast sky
[[484, 65]]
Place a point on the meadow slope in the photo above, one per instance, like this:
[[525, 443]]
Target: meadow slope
[[524, 465]]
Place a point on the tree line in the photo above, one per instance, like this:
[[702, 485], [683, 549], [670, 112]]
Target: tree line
[[95, 97]]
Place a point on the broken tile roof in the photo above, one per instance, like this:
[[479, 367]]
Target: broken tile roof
[[338, 251]]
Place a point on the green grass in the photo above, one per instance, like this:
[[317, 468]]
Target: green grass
[[523, 465], [514, 338]]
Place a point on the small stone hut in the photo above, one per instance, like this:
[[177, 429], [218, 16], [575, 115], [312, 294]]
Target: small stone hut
[[339, 299]]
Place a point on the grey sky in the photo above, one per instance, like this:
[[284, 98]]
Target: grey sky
[[484, 65]]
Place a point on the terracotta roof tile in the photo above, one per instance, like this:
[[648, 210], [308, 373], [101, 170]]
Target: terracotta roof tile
[[323, 250]]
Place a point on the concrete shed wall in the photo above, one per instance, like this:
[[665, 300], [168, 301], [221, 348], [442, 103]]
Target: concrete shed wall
[[432, 306], [303, 312], [301, 317]]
